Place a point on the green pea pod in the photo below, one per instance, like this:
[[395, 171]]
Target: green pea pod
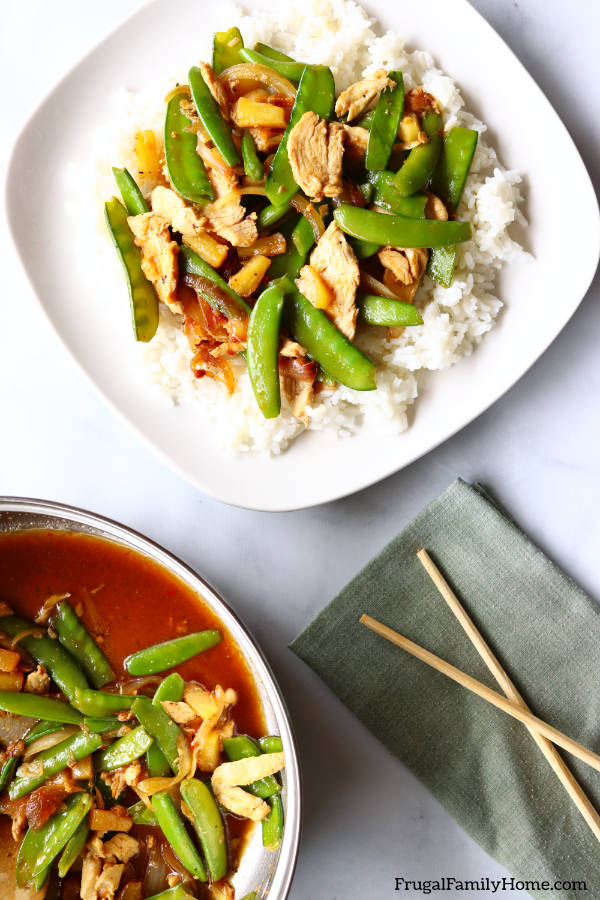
[[271, 214], [263, 350], [124, 750], [272, 743], [171, 825], [303, 236], [130, 192], [101, 724], [40, 848], [384, 311], [291, 261], [252, 164], [186, 170], [100, 704], [440, 265], [41, 730], [385, 124], [289, 68], [316, 92], [208, 825], [250, 896], [31, 845], [172, 653], [54, 760], [242, 747], [73, 848], [420, 163], [192, 264], [451, 172], [363, 249], [212, 118], [8, 770], [272, 53], [399, 231], [37, 707], [161, 727], [170, 688], [46, 651], [226, 49], [80, 644], [142, 296], [174, 893], [325, 344], [141, 815], [272, 825], [386, 194]]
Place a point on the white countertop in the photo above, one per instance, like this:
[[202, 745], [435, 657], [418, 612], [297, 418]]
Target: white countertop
[[366, 818]]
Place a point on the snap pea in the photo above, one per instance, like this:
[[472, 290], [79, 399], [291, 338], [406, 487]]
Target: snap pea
[[171, 653], [384, 311], [387, 195], [325, 344], [185, 168], [8, 770], [271, 214], [440, 265], [252, 164], [54, 760], [130, 192], [46, 651], [385, 123], [316, 92], [272, 743], [208, 825], [36, 707], [263, 350], [289, 68], [243, 747], [171, 825], [161, 727], [291, 261], [420, 163], [170, 688], [73, 848], [250, 896], [101, 724], [399, 231], [303, 236], [174, 893], [41, 730], [451, 172], [363, 249], [226, 49], [141, 815], [211, 117], [81, 645], [192, 264], [142, 296], [124, 750], [31, 845], [272, 825], [272, 53], [40, 848], [100, 704]]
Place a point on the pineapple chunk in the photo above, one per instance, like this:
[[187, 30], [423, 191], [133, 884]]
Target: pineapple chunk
[[246, 281], [250, 113]]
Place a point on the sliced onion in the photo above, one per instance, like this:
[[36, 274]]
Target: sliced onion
[[36, 632], [48, 740], [252, 187], [185, 769], [182, 89], [268, 245], [373, 286], [302, 205], [132, 685], [254, 74], [155, 879]]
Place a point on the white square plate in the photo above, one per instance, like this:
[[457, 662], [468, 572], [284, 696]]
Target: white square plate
[[541, 293]]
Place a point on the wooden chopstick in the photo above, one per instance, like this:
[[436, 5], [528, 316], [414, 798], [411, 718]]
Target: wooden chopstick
[[564, 774], [483, 691]]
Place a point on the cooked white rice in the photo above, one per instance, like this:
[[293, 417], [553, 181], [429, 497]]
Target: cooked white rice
[[340, 34]]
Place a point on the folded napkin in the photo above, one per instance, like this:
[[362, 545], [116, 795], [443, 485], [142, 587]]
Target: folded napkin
[[483, 766]]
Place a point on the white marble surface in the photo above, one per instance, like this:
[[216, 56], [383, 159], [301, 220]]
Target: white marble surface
[[366, 817]]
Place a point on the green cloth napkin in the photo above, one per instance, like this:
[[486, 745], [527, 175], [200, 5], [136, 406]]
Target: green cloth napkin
[[483, 766]]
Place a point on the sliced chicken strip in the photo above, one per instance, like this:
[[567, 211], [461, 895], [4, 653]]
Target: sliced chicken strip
[[227, 778], [159, 255], [359, 95]]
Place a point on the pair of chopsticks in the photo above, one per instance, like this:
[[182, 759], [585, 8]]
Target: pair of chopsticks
[[545, 736]]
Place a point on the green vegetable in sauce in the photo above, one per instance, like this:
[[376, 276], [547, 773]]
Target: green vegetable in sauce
[[208, 825], [82, 647], [140, 813], [73, 848], [226, 49], [263, 350], [39, 848], [192, 264], [272, 53], [172, 653], [440, 265], [272, 826], [161, 727], [130, 192], [170, 688], [55, 760], [252, 164], [124, 750], [399, 231], [377, 310], [288, 68], [185, 168], [171, 825], [211, 117], [242, 747], [100, 704], [385, 124], [271, 214], [36, 707], [457, 153], [387, 195], [420, 163]]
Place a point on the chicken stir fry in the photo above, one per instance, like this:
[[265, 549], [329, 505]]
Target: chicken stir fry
[[278, 221]]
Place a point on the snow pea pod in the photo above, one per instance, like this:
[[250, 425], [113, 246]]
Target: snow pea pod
[[171, 825], [303, 236], [325, 344], [81, 645], [100, 704], [54, 760], [170, 688], [59, 829], [141, 815], [291, 261], [226, 49], [271, 52], [130, 192], [263, 350], [272, 825], [451, 172], [37, 707], [185, 168], [73, 848], [142, 296], [420, 163], [387, 195], [46, 651], [289, 68], [271, 214], [399, 231], [316, 93], [172, 653], [41, 730], [31, 845], [243, 747], [212, 118], [174, 893], [272, 743], [363, 249], [192, 264], [377, 310], [101, 724], [8, 770], [161, 727], [440, 265], [385, 123], [208, 825], [124, 750], [252, 164]]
